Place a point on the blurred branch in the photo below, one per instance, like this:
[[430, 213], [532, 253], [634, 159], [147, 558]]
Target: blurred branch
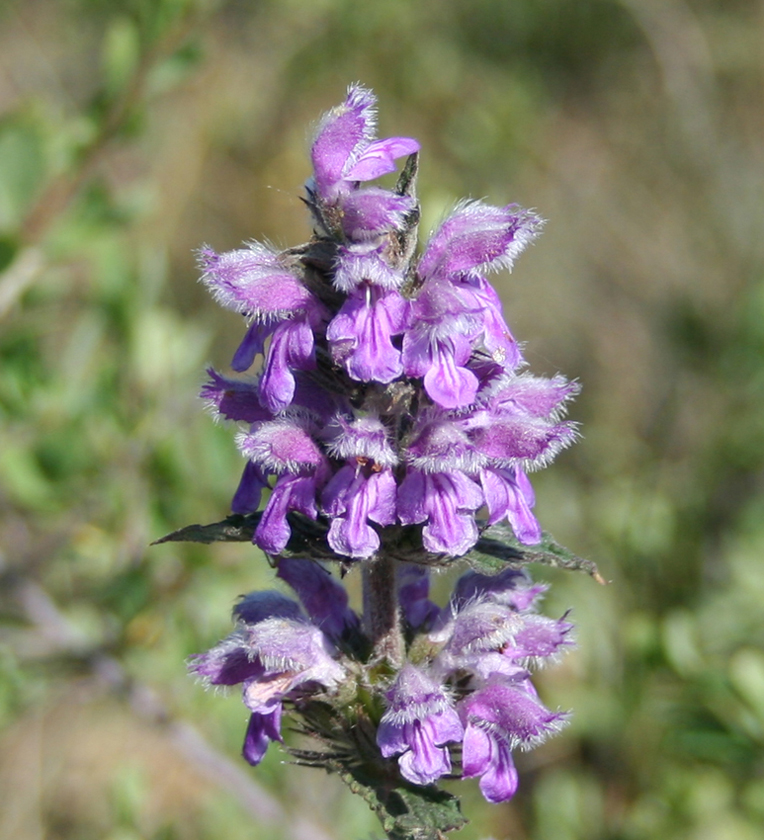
[[58, 636]]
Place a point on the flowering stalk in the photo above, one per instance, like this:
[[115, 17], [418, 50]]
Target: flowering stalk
[[392, 406]]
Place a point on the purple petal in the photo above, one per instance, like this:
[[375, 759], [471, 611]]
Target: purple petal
[[253, 344], [259, 606], [411, 498], [378, 158], [341, 133], [228, 663], [324, 598], [357, 266], [536, 396], [289, 493], [361, 439], [478, 236], [424, 762], [291, 348], [247, 496], [352, 499], [255, 282], [508, 494], [282, 445], [511, 587], [234, 399], [540, 637], [368, 213], [499, 782], [413, 591], [477, 752], [532, 441], [360, 334], [261, 730]]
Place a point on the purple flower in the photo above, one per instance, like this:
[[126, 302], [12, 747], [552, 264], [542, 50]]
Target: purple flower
[[439, 344], [419, 721], [256, 282], [285, 447], [436, 490], [483, 633], [273, 652], [497, 719], [344, 150], [456, 310], [363, 490], [360, 335], [446, 502]]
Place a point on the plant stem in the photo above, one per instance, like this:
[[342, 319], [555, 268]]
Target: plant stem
[[380, 609]]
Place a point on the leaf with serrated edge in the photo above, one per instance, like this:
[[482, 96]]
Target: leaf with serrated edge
[[499, 546]]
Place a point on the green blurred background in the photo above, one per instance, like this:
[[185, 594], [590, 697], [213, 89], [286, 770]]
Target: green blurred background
[[132, 131]]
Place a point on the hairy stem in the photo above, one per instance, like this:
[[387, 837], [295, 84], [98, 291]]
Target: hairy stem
[[380, 607]]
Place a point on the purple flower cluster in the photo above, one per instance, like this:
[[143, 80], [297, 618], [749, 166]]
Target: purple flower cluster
[[476, 690], [391, 408], [474, 687], [392, 391]]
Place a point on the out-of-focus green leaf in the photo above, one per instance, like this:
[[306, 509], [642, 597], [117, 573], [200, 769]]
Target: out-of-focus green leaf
[[121, 54], [22, 168]]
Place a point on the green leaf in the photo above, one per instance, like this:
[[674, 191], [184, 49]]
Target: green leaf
[[235, 528], [406, 812], [499, 546], [22, 167], [121, 54]]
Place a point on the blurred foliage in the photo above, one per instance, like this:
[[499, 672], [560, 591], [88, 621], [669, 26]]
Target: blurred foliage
[[133, 131]]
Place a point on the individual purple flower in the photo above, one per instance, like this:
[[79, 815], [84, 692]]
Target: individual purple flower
[[323, 596], [498, 718], [420, 720], [362, 491], [483, 633], [285, 447], [455, 309], [256, 282], [360, 335], [439, 343], [436, 490], [272, 653], [344, 150], [446, 502]]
